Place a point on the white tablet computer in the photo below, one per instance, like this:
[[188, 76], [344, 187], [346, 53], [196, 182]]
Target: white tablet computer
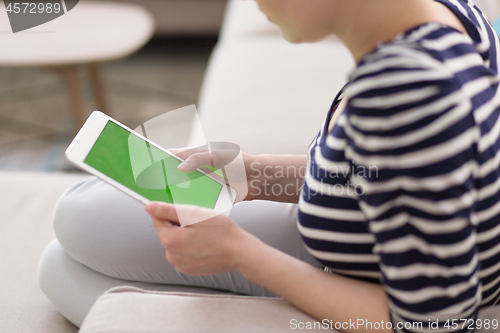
[[142, 169]]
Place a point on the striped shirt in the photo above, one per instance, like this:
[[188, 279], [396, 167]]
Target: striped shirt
[[405, 189]]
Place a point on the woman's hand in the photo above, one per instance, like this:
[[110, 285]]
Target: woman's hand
[[262, 177], [205, 248], [226, 157]]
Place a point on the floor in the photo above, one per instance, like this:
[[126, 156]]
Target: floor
[[35, 121]]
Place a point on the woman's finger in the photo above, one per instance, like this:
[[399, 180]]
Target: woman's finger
[[178, 151], [183, 215], [196, 161], [167, 232], [162, 211], [164, 225], [184, 153]]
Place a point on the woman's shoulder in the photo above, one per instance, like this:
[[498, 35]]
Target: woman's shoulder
[[427, 59]]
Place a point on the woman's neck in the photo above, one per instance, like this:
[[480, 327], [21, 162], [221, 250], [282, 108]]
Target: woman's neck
[[363, 24]]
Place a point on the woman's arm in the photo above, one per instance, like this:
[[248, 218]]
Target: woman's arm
[[268, 177], [218, 245], [328, 297], [276, 177]]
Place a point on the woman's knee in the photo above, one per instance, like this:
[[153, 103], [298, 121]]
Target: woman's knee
[[74, 216], [68, 212], [57, 277], [99, 226]]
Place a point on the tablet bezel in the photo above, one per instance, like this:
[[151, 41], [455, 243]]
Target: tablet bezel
[[86, 138]]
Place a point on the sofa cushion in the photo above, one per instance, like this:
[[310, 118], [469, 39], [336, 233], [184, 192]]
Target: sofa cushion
[[27, 203], [128, 309]]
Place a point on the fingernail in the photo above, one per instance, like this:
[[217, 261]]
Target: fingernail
[[150, 208], [184, 166]]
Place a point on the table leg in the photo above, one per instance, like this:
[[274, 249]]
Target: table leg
[[72, 78], [72, 81], [96, 78]]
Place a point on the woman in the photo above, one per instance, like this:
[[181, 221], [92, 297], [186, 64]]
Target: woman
[[411, 142]]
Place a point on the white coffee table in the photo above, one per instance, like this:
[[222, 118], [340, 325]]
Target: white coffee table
[[89, 34]]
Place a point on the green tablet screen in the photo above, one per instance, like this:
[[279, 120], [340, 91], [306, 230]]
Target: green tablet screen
[[149, 171]]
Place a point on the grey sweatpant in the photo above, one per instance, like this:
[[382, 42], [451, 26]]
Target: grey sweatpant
[[105, 239]]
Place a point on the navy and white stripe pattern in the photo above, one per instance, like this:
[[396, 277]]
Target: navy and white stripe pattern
[[405, 190]]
